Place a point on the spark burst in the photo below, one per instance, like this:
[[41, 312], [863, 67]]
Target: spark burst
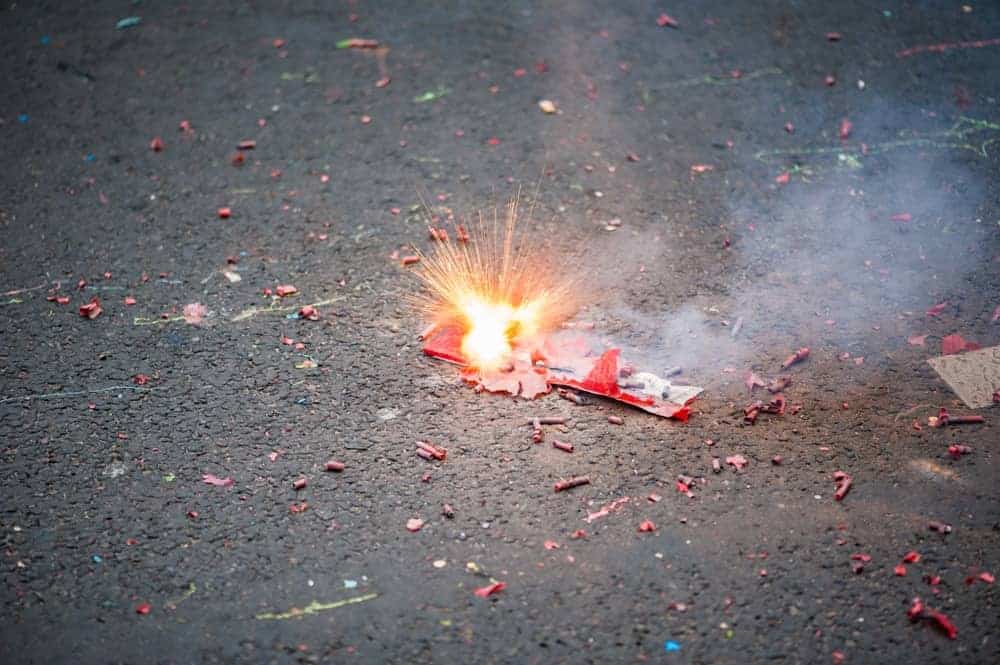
[[498, 288]]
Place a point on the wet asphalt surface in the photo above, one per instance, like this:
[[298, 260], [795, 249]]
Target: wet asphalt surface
[[116, 551]]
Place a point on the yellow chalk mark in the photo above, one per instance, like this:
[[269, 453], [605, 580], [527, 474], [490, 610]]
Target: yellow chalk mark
[[315, 607]]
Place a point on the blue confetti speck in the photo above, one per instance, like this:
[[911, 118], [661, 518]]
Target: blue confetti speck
[[89, 157], [97, 558], [671, 646], [45, 40], [23, 118], [886, 13]]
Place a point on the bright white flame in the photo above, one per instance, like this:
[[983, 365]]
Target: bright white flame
[[493, 328]]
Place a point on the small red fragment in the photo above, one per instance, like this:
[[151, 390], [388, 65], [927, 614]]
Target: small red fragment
[[334, 465], [129, 300], [493, 140], [576, 481], [579, 533], [986, 577], [238, 158], [298, 507], [299, 484], [91, 310], [955, 343], [551, 545], [937, 309], [845, 129], [366, 120], [830, 80], [192, 514], [899, 571], [285, 290], [140, 379], [916, 609], [942, 621], [156, 145], [777, 460], [212, 479], [246, 144], [667, 21], [519, 72], [309, 313], [911, 557], [902, 217], [783, 178], [790, 128], [796, 357], [844, 483], [382, 82], [414, 524], [490, 589], [737, 461], [632, 157], [956, 450], [143, 608], [409, 260], [225, 213], [647, 527], [833, 36]]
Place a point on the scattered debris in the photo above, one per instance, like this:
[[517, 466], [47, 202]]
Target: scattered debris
[[944, 418], [490, 589], [844, 483], [576, 481], [647, 527], [92, 309], [562, 445], [940, 527], [667, 21], [430, 451], [737, 461], [128, 22], [796, 357], [414, 524], [212, 479], [547, 106]]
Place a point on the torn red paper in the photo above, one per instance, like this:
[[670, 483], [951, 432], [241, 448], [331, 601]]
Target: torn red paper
[[564, 361], [737, 461], [212, 479], [954, 343], [490, 589], [91, 310], [194, 313]]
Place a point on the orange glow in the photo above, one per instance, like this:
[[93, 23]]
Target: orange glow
[[497, 291]]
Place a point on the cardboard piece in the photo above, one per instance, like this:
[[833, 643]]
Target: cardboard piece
[[973, 375]]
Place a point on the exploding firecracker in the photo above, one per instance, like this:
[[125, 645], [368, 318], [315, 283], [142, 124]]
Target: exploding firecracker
[[496, 307]]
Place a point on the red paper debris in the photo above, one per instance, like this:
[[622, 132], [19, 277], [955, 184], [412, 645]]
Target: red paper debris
[[285, 290], [225, 213], [667, 21], [299, 484], [941, 620], [916, 609], [91, 310], [579, 533], [844, 483], [833, 36], [551, 545], [143, 608], [986, 577], [937, 309], [490, 589], [156, 145], [911, 557], [917, 340], [647, 527], [899, 571], [956, 450], [140, 379], [129, 300], [902, 217], [212, 479], [845, 128], [309, 313], [607, 509], [796, 357], [335, 466], [194, 313], [737, 461], [414, 524], [954, 343]]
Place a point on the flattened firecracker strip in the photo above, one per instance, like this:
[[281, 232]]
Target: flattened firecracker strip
[[314, 607]]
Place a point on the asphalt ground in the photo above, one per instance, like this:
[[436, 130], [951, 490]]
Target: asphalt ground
[[721, 148]]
